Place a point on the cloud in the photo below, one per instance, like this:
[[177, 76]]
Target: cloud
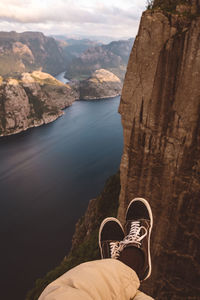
[[79, 14]]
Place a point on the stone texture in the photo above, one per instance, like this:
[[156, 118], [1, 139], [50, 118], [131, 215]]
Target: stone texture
[[160, 110], [102, 84], [28, 51], [31, 101]]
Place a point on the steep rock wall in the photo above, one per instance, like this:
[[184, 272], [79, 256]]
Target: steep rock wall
[[33, 100], [160, 110], [102, 84], [29, 51]]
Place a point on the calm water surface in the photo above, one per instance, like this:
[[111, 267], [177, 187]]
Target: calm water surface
[[47, 176], [61, 77]]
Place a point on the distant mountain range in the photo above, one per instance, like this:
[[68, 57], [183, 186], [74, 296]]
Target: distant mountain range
[[74, 47], [30, 51], [97, 39], [30, 96], [113, 57]]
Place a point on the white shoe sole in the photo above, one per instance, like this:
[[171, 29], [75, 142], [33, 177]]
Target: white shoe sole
[[101, 227], [151, 225]]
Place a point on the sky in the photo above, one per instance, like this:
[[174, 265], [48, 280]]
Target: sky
[[114, 18]]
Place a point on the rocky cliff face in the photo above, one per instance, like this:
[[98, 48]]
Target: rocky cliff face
[[160, 110], [29, 51], [102, 84], [32, 100]]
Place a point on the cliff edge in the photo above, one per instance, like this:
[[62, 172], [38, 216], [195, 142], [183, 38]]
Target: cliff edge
[[31, 100], [160, 110], [102, 84]]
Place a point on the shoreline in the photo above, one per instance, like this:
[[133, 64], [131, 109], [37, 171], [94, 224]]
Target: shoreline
[[99, 98], [54, 118]]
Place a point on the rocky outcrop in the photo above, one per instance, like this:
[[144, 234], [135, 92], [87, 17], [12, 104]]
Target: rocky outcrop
[[85, 245], [113, 57], [32, 100], [29, 51], [102, 84], [37, 98], [160, 110]]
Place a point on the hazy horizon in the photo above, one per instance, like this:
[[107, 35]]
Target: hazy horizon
[[114, 19], [104, 39]]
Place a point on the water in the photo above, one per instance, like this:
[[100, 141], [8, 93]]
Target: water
[[61, 77], [47, 176]]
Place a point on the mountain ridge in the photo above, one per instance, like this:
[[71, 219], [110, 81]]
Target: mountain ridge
[[113, 57], [29, 51]]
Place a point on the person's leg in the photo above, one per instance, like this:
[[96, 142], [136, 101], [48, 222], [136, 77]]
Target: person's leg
[[114, 277], [107, 279], [142, 296], [111, 233], [135, 247]]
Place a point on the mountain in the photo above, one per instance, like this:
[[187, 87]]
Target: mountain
[[113, 57], [74, 47], [37, 98], [101, 84], [160, 111], [31, 100], [29, 51], [94, 38]]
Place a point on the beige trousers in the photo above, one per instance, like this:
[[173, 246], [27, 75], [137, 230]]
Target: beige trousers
[[96, 280]]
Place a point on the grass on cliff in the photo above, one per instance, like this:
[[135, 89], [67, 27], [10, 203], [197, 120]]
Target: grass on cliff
[[170, 6], [85, 241], [50, 80]]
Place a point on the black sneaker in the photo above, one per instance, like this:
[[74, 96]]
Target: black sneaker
[[111, 233], [139, 222]]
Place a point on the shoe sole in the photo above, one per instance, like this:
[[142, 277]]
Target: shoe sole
[[151, 225], [101, 227]]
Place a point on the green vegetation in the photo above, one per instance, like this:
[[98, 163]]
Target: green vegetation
[[49, 80], [169, 5], [85, 248], [187, 10], [149, 4]]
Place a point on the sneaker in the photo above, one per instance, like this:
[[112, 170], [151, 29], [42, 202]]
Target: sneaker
[[138, 226], [111, 233]]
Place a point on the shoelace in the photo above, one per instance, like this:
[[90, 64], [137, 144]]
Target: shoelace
[[115, 249], [134, 235]]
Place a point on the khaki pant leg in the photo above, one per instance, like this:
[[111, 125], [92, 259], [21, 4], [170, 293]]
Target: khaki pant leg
[[107, 279], [141, 296]]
